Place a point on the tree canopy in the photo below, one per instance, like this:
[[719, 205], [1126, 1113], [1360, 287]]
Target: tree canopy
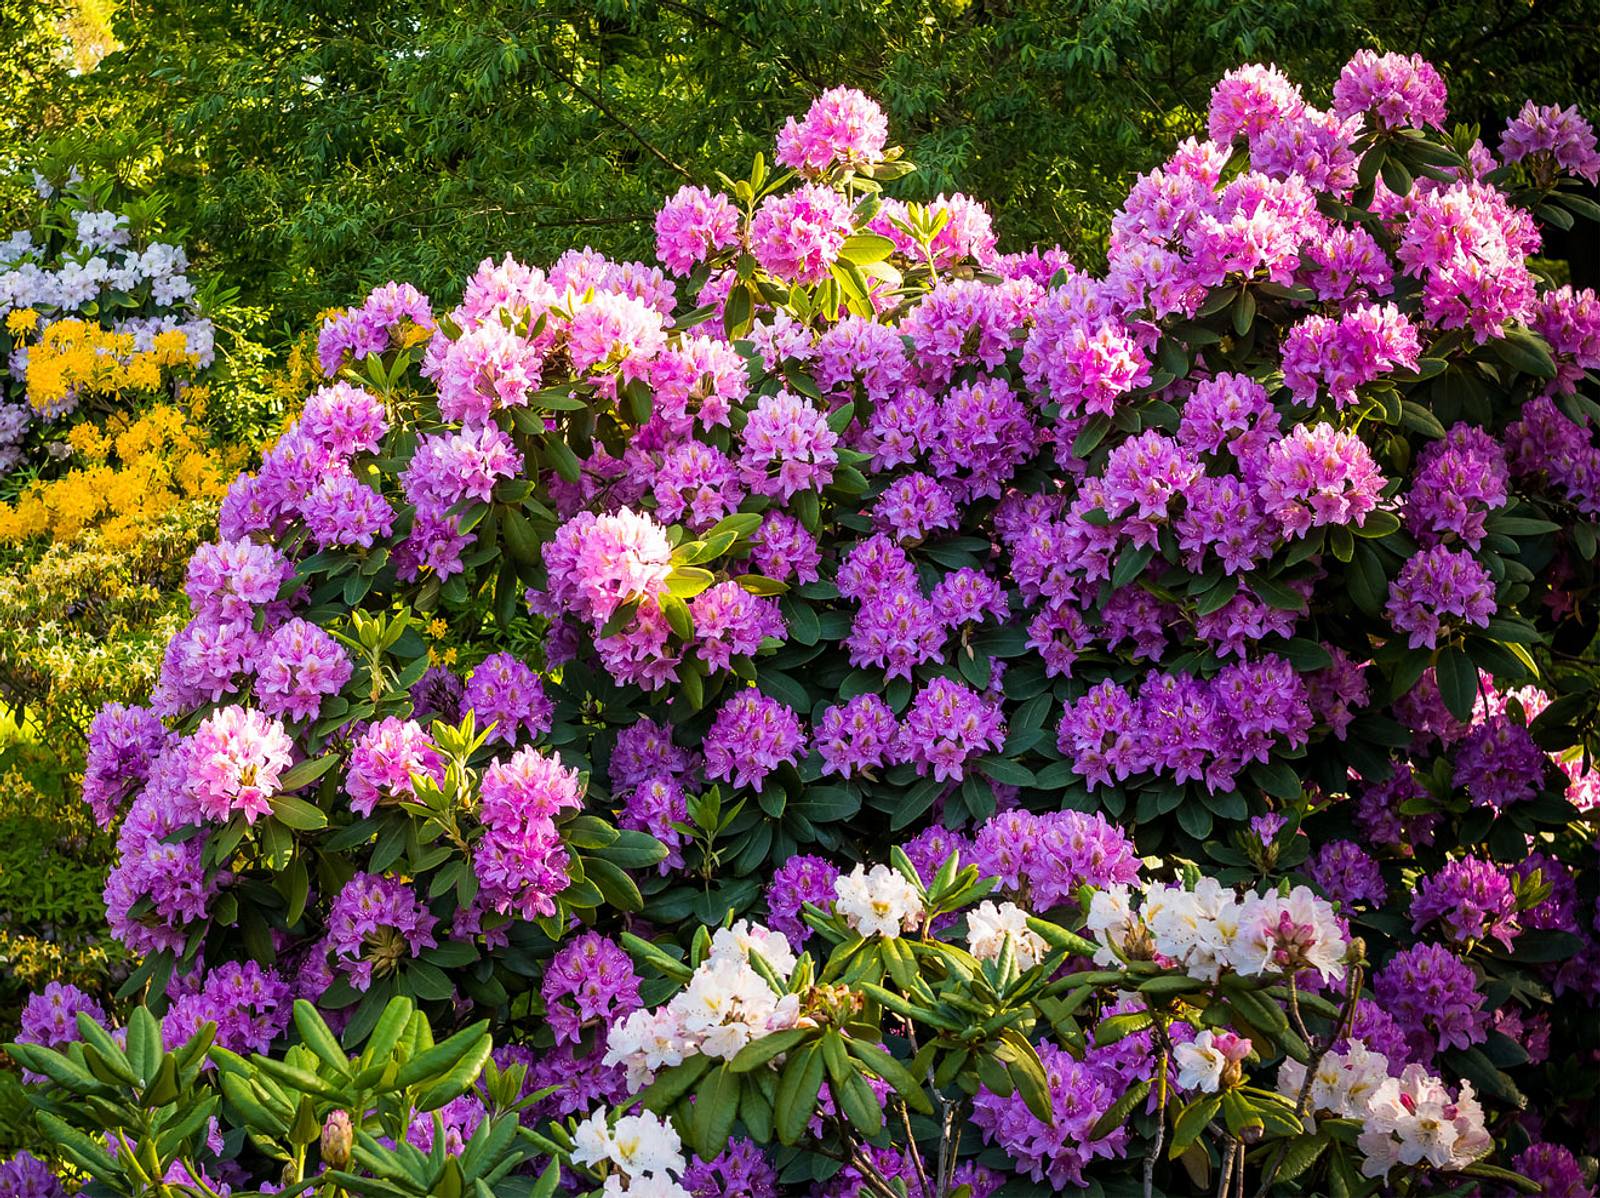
[[313, 149]]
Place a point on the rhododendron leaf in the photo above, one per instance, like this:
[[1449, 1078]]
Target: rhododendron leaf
[[1119, 1027], [1458, 682], [292, 1076], [1091, 435], [1526, 351], [1192, 1121], [1006, 771], [1117, 1113], [297, 813], [865, 248], [615, 886], [79, 1148], [797, 1093]]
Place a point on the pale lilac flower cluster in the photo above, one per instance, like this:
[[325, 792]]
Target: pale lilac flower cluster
[[857, 736], [1192, 729], [799, 880], [1044, 859], [1435, 585], [1319, 475], [752, 735], [231, 580], [235, 761], [1554, 1170], [1347, 874], [50, 1016], [1342, 354], [506, 694], [1546, 445], [1471, 900], [782, 548], [1433, 996], [374, 926], [1559, 135], [123, 744], [297, 667], [657, 806], [1570, 321], [598, 563], [251, 1007], [741, 1170], [730, 622], [693, 225], [1469, 245], [1455, 485], [1399, 90], [1498, 763], [26, 1176], [1380, 818], [159, 886], [384, 761], [796, 236], [787, 447], [387, 317], [589, 983], [946, 726], [697, 484], [1056, 1152]]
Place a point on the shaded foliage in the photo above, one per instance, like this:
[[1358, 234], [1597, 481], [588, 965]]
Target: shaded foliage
[[313, 149]]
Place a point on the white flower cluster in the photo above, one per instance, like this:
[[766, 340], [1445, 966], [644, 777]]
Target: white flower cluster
[[989, 926], [880, 901], [78, 280], [1211, 929], [1408, 1120], [1202, 1061], [726, 1005], [644, 1150]]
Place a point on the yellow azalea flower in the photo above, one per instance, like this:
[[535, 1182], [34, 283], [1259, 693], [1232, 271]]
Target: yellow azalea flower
[[21, 320]]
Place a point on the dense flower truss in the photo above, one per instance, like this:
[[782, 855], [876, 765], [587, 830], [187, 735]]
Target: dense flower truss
[[94, 313], [1231, 607]]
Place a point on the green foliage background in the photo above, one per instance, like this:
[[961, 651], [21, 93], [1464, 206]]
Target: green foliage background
[[313, 149]]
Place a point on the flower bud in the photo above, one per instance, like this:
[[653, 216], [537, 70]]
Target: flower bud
[[337, 1137]]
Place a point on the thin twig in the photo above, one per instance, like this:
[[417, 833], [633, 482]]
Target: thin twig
[[916, 1153], [1224, 1183], [600, 106]]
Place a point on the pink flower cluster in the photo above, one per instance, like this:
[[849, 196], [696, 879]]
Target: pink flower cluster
[[521, 862]]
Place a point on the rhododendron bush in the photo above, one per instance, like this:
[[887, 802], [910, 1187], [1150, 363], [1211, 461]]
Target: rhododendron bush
[[859, 713]]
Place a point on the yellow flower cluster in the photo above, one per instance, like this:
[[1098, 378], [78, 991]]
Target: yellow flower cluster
[[21, 320], [131, 473], [76, 357]]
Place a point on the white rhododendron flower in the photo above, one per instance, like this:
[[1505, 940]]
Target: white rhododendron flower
[[1283, 934], [1412, 1119], [1344, 1082], [1209, 930], [1201, 1062], [1408, 1120], [643, 1187], [737, 942], [645, 1042], [877, 902], [725, 1006], [989, 926], [640, 1145]]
